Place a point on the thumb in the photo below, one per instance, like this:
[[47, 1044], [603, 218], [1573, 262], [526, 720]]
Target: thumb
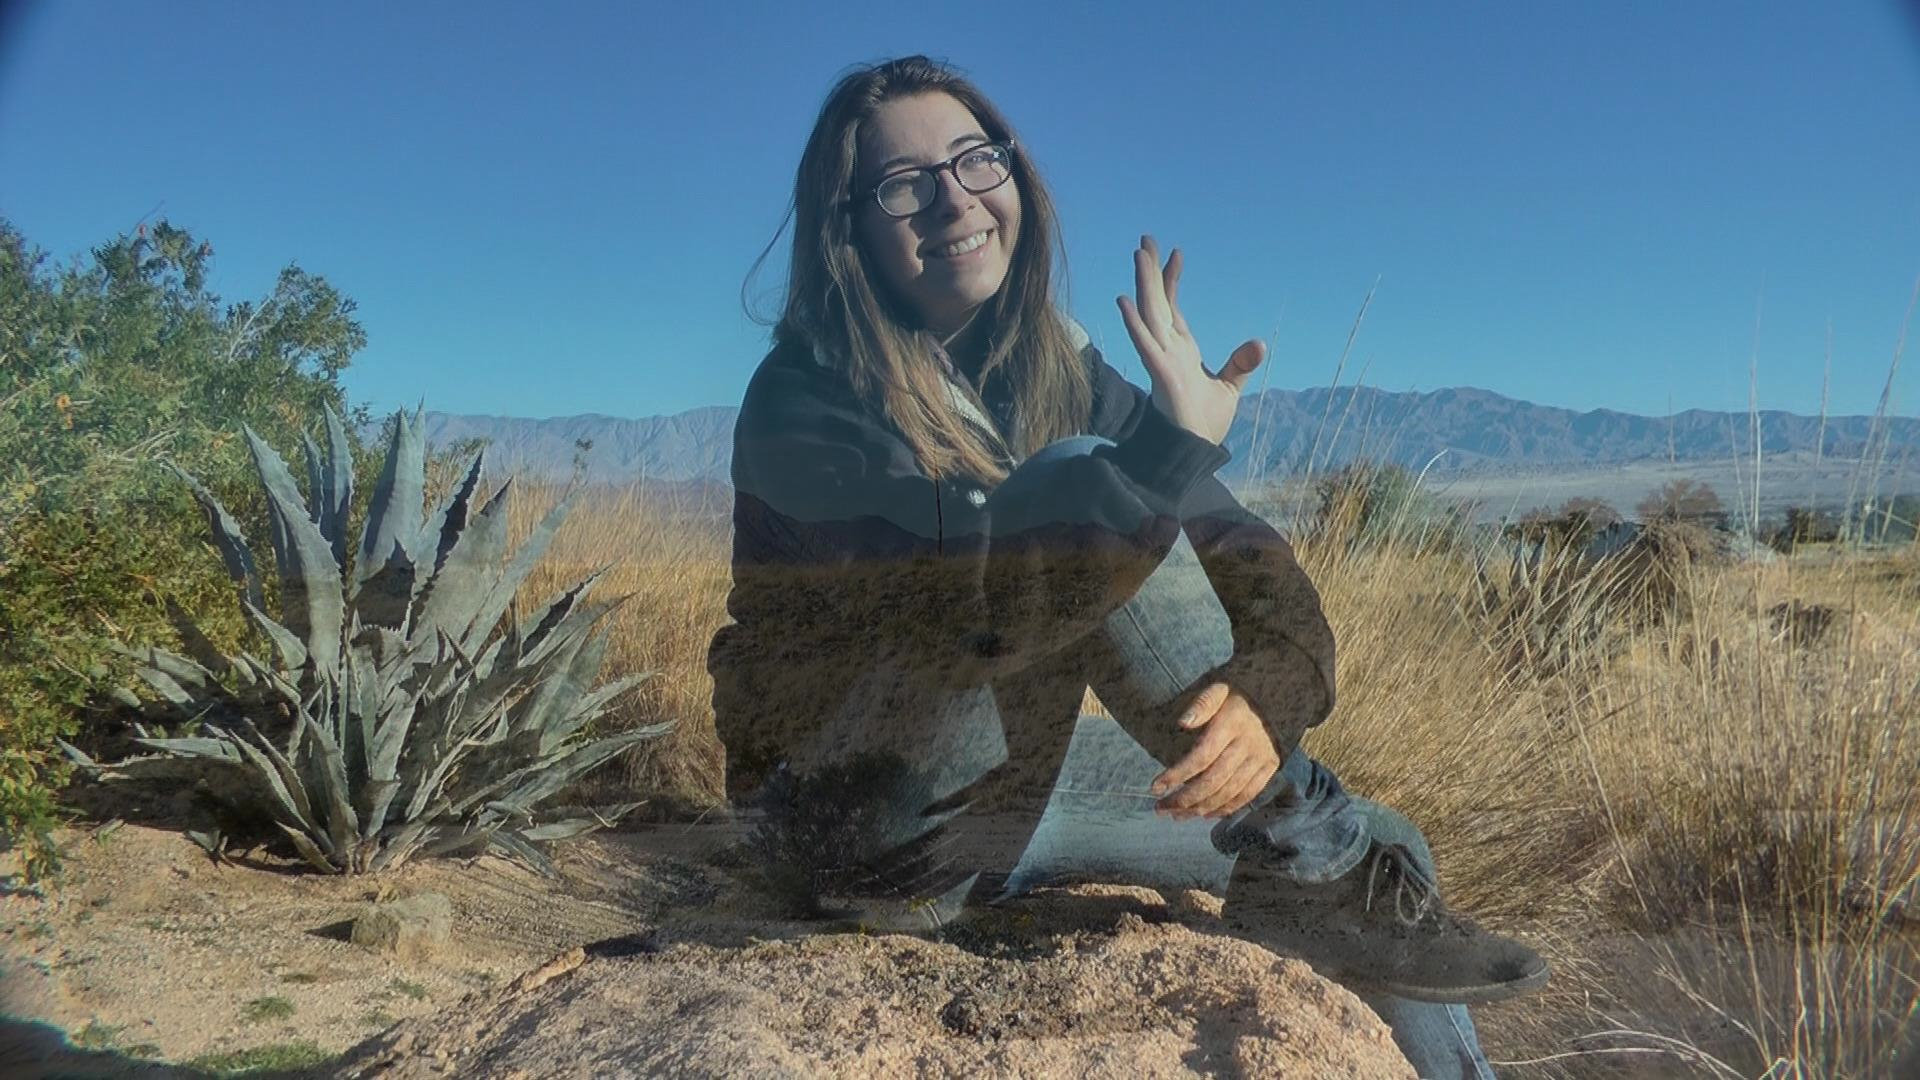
[[1243, 363], [1204, 706]]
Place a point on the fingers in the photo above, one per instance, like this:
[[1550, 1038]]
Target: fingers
[[1254, 780], [1143, 340], [1241, 365], [1204, 705], [1236, 776], [1229, 764], [1221, 776], [1150, 286], [1197, 760]]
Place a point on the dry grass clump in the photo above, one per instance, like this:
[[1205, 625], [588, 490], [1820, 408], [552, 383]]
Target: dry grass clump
[[670, 563], [1701, 807], [1711, 822]]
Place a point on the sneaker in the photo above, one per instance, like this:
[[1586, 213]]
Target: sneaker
[[1382, 927]]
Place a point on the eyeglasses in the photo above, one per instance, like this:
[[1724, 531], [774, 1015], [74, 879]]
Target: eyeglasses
[[978, 169]]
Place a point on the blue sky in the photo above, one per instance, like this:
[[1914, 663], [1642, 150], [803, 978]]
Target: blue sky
[[549, 209]]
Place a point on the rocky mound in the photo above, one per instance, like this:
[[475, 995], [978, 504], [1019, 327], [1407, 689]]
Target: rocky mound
[[1136, 997]]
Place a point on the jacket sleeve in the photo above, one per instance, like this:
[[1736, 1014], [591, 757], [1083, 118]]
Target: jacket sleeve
[[843, 547], [1283, 647]]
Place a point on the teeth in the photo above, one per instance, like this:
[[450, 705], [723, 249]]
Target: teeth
[[964, 246]]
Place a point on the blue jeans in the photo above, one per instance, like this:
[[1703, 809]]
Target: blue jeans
[[1009, 786]]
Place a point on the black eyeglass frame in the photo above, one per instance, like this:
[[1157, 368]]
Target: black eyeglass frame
[[951, 165]]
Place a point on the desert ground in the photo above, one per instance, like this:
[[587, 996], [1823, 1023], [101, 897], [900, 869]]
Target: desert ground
[[1688, 780]]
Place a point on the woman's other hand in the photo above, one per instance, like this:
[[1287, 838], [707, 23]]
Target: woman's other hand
[[1182, 388], [1230, 764]]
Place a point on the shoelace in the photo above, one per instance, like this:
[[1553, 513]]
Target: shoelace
[[1415, 895]]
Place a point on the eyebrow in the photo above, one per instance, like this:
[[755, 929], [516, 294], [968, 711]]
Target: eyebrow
[[888, 165]]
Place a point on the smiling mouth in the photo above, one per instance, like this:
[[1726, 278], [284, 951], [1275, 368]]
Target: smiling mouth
[[961, 247]]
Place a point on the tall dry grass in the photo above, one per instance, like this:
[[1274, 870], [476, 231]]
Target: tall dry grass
[[1706, 806], [668, 563], [1703, 808]]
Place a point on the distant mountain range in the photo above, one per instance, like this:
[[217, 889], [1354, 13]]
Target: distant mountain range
[[1461, 432]]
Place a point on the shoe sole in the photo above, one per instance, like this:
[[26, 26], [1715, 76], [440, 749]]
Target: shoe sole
[[1462, 995], [1482, 994]]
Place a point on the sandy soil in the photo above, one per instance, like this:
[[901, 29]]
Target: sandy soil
[[150, 949], [156, 947]]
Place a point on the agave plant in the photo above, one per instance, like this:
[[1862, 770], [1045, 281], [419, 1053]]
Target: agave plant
[[421, 715]]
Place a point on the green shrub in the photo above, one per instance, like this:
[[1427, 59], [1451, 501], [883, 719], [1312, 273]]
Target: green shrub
[[108, 366]]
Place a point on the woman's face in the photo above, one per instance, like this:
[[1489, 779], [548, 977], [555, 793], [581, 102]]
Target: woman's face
[[914, 256]]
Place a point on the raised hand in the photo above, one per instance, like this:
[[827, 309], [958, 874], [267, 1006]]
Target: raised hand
[[1183, 389]]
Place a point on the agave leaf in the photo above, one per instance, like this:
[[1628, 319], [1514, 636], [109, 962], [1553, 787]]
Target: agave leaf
[[78, 756], [182, 670], [311, 601], [418, 829], [315, 482], [383, 759], [450, 520], [164, 685], [212, 841], [544, 777], [365, 701], [292, 810], [342, 823], [560, 830], [467, 836], [385, 597], [589, 708], [518, 848], [393, 516], [549, 704], [578, 623], [296, 789], [436, 778], [494, 605], [548, 618], [227, 539], [216, 748], [467, 567], [336, 484], [308, 850], [293, 655]]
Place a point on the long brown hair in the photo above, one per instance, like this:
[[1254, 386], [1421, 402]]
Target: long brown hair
[[832, 303]]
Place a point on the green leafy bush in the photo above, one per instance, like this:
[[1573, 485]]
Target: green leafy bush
[[107, 366]]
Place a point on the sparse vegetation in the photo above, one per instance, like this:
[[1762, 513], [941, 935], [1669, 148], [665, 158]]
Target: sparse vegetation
[[1686, 502], [276, 1057], [263, 1009], [98, 1036]]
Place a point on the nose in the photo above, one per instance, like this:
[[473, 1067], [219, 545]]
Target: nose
[[949, 197]]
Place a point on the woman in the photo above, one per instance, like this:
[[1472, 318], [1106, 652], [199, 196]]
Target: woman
[[952, 517]]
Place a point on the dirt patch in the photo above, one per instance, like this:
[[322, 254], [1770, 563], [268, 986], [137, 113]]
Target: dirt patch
[[642, 958], [1135, 1000], [151, 945]]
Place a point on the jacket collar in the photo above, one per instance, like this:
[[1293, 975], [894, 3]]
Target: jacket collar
[[962, 403]]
